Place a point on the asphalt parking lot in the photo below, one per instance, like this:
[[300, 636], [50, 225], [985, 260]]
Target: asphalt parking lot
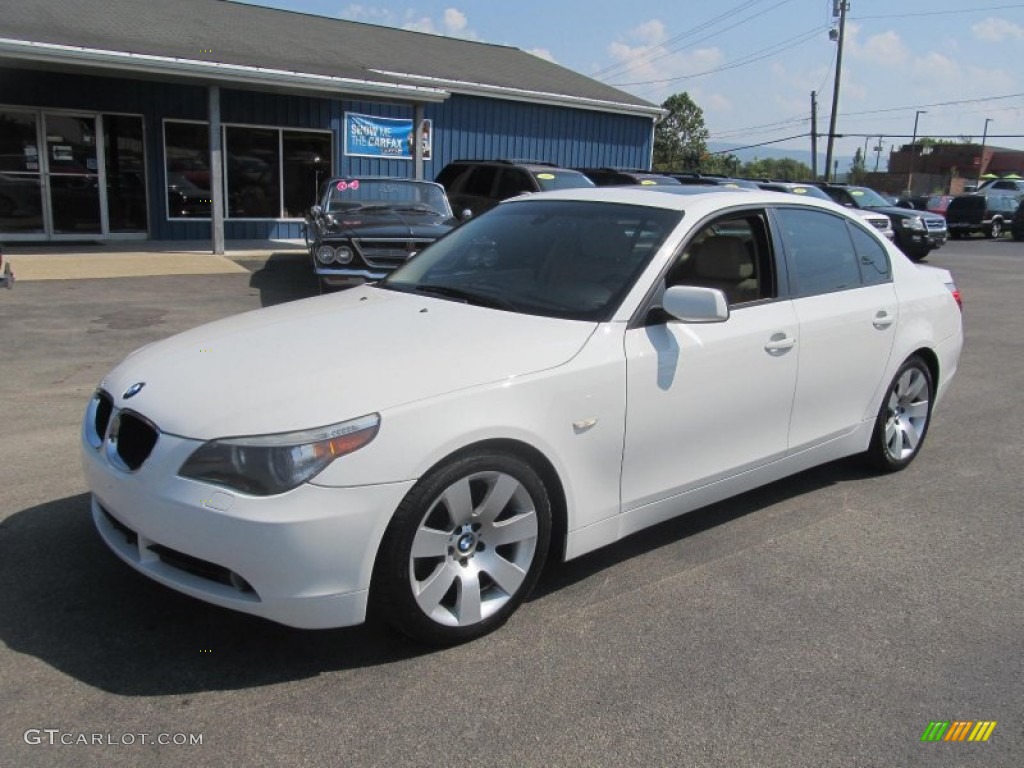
[[822, 621]]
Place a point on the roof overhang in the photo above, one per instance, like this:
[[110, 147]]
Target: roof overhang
[[211, 73], [533, 97]]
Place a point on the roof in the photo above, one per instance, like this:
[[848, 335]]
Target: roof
[[239, 44]]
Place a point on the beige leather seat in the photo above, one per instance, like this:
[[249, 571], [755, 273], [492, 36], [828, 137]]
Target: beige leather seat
[[724, 262]]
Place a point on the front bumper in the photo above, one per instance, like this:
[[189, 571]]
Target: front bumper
[[302, 558], [349, 277]]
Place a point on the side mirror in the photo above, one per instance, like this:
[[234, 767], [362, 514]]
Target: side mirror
[[315, 210], [695, 304], [466, 214]]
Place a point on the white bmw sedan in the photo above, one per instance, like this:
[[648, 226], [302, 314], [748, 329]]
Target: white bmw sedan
[[550, 377]]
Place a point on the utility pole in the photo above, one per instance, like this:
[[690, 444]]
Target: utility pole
[[814, 135], [981, 160], [839, 8], [878, 153], [913, 149]]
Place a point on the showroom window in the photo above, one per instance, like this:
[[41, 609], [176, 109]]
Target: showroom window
[[269, 173]]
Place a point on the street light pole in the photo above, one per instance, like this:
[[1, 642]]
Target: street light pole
[[840, 7], [913, 147], [981, 160]]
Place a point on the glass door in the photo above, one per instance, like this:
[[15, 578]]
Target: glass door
[[21, 191], [72, 166]]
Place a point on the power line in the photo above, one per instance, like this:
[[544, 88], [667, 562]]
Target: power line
[[937, 13], [667, 51], [678, 38], [764, 53], [762, 144]]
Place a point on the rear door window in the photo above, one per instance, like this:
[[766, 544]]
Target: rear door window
[[819, 251]]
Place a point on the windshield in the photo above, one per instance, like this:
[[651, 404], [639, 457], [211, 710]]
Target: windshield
[[549, 180], [868, 198], [394, 194], [568, 259]]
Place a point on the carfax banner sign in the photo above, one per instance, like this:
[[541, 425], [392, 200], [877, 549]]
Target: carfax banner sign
[[370, 136]]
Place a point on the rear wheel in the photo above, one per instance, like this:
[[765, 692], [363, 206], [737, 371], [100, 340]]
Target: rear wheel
[[902, 421], [464, 549], [955, 234]]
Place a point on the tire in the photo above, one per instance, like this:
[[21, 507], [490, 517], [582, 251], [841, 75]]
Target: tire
[[903, 418], [463, 550], [956, 234], [995, 229]]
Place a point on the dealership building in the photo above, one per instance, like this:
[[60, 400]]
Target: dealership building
[[211, 119]]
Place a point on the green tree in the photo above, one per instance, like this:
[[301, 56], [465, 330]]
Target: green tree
[[680, 139], [783, 168]]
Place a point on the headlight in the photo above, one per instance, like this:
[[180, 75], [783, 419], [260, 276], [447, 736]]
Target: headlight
[[263, 465], [325, 254], [915, 223], [343, 254]]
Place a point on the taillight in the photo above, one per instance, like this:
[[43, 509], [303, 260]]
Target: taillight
[[956, 294]]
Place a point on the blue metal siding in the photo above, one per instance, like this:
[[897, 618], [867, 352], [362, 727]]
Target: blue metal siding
[[477, 128], [462, 127]]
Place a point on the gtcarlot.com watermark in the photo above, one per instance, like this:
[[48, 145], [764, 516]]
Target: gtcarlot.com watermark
[[57, 737]]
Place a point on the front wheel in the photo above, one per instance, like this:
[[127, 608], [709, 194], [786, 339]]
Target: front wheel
[[902, 421], [464, 549], [995, 229]]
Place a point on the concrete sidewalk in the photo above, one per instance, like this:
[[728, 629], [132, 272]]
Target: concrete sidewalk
[[137, 258]]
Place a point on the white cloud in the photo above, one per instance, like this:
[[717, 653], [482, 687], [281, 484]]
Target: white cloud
[[995, 30], [373, 15], [649, 33], [453, 23], [543, 53], [887, 49]]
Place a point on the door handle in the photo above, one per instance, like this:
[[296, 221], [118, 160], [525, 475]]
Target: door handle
[[779, 342], [883, 320]]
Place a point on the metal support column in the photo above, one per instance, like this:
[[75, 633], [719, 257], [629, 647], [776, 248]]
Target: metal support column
[[216, 172]]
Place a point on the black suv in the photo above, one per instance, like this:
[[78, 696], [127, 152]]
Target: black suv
[[1017, 225], [479, 185], [990, 214], [917, 232], [713, 180], [620, 177]]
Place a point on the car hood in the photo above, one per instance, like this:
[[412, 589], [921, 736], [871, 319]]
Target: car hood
[[903, 213], [324, 360]]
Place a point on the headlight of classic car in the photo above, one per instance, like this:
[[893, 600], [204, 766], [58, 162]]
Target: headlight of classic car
[[325, 254], [342, 254], [264, 465]]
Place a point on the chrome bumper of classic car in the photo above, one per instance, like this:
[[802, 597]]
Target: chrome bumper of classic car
[[348, 277]]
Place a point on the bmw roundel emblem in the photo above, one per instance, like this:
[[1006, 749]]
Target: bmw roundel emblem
[[133, 390]]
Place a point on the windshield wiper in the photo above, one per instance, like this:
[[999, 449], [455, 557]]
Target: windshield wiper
[[468, 297], [417, 208]]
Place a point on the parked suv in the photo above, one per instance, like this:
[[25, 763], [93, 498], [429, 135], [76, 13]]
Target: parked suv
[[879, 221], [989, 214], [917, 232], [1017, 225], [479, 185], [1013, 186], [619, 177]]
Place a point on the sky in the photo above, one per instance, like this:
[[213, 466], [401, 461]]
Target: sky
[[751, 65]]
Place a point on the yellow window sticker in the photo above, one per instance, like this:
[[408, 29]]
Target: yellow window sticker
[[545, 176], [648, 182], [857, 192]]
